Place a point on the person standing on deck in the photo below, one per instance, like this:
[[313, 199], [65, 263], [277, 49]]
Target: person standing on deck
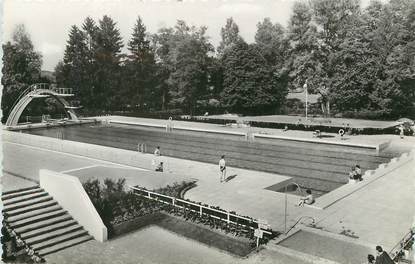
[[156, 159], [222, 168], [401, 131]]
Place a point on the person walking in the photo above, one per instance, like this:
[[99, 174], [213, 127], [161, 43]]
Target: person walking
[[222, 168]]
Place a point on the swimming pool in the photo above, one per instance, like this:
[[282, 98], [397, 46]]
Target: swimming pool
[[319, 167]]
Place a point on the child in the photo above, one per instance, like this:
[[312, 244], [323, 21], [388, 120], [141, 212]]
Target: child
[[160, 167], [309, 199]]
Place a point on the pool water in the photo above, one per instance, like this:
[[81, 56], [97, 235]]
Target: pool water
[[327, 247]]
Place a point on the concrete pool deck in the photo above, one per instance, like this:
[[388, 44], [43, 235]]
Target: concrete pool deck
[[363, 140], [380, 213]]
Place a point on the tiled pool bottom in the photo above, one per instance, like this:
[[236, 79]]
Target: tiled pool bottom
[[341, 251]]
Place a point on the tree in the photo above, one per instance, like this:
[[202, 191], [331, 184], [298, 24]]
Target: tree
[[108, 56], [316, 32], [140, 66], [21, 67], [90, 30], [375, 62], [183, 52], [229, 34], [75, 67], [271, 42], [250, 85], [393, 43]]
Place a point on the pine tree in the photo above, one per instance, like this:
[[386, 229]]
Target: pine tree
[[76, 64], [108, 54], [90, 30], [140, 67]]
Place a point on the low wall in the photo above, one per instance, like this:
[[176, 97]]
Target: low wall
[[70, 194]]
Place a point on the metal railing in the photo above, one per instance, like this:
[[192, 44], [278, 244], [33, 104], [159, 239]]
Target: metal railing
[[398, 250], [225, 216]]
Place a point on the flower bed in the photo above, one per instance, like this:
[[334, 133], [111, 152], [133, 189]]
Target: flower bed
[[122, 211], [14, 250], [177, 189]]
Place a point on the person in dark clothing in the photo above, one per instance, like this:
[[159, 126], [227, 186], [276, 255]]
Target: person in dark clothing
[[382, 257], [370, 259]]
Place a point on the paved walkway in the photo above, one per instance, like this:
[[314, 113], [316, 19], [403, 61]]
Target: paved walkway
[[24, 161], [381, 213], [143, 247], [245, 194]]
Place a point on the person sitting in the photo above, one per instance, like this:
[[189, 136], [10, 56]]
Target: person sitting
[[309, 199], [358, 173], [157, 151], [160, 167]]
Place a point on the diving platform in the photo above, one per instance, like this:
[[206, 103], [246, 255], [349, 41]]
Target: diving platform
[[41, 90]]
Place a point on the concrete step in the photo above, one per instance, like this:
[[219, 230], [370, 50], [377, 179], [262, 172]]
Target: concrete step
[[20, 190], [60, 239], [47, 229], [33, 213], [23, 198], [5, 197], [44, 223], [37, 218], [32, 208], [24, 204], [66, 244], [53, 234]]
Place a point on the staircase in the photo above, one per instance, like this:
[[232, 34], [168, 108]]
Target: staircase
[[38, 222]]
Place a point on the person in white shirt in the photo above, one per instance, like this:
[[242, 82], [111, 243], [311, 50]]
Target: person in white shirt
[[157, 151], [222, 168]]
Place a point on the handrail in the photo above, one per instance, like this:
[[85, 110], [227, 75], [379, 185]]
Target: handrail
[[174, 199], [26, 91], [398, 248]]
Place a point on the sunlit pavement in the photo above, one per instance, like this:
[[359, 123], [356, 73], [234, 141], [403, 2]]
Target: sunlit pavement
[[381, 213]]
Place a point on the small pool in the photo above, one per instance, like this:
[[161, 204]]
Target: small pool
[[293, 190], [327, 247]]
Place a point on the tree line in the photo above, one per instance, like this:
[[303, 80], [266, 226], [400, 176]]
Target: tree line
[[360, 61]]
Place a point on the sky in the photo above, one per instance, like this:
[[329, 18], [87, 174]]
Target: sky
[[48, 21]]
